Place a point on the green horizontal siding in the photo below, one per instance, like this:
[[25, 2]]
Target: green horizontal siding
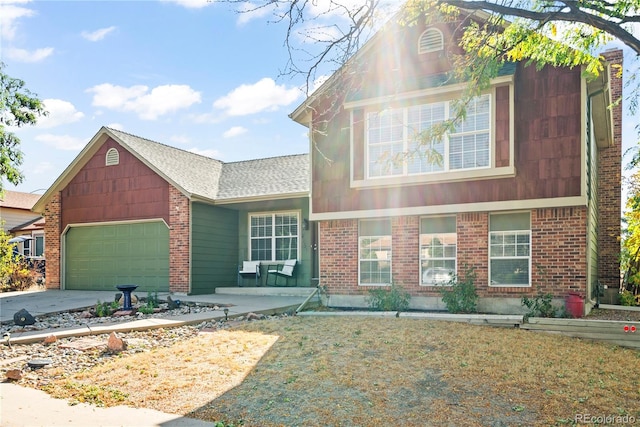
[[214, 248]]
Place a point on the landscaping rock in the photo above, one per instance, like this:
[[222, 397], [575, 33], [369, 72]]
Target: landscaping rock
[[14, 374], [254, 316], [115, 343], [23, 318], [172, 305], [50, 339]]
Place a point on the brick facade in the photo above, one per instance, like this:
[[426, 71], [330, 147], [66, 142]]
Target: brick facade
[[179, 242], [52, 234], [610, 185], [556, 234]]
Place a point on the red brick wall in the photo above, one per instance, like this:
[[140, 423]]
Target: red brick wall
[[52, 233], [558, 247], [610, 186], [339, 256], [179, 233], [559, 250]]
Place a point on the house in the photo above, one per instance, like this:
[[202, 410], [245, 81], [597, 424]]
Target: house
[[17, 219], [128, 210], [525, 192]]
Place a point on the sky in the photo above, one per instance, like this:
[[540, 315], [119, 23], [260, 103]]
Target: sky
[[187, 73], [190, 74]]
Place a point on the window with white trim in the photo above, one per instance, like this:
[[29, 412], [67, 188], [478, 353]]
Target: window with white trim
[[374, 249], [438, 250], [26, 248], [38, 247], [274, 236], [431, 40], [510, 249], [394, 146]]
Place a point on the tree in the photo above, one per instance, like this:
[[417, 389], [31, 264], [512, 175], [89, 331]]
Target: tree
[[18, 107], [583, 26], [556, 32]]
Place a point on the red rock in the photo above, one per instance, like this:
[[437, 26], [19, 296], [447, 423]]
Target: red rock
[[50, 339], [14, 374], [115, 343]]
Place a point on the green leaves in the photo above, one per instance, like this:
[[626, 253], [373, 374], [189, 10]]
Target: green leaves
[[18, 107]]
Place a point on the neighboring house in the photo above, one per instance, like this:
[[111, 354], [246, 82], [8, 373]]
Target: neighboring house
[[526, 191], [132, 211], [17, 219]]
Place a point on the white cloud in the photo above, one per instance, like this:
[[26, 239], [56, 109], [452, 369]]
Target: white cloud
[[60, 113], [249, 11], [264, 95], [180, 139], [235, 131], [190, 4], [207, 153], [116, 126], [9, 15], [97, 35], [62, 142], [23, 55], [147, 105]]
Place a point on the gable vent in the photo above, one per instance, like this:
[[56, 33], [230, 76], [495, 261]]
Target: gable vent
[[431, 40], [113, 157]]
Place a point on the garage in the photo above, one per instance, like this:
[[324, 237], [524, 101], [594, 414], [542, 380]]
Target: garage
[[99, 257]]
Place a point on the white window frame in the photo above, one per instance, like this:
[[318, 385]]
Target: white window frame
[[273, 237], [443, 236], [36, 236], [388, 251], [516, 233], [407, 142]]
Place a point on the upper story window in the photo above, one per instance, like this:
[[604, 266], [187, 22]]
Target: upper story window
[[112, 158], [431, 40], [274, 236], [394, 146]]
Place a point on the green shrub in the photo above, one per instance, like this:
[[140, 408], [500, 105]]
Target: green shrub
[[627, 298], [460, 296], [391, 298], [104, 309], [15, 272], [540, 305]]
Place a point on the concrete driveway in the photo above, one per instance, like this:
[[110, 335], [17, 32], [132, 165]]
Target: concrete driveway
[[42, 302]]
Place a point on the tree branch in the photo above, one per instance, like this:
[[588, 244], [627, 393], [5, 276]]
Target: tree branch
[[576, 13]]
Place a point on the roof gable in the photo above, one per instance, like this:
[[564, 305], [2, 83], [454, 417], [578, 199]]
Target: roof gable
[[197, 176]]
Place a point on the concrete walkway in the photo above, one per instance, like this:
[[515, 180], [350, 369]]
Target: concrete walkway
[[21, 406]]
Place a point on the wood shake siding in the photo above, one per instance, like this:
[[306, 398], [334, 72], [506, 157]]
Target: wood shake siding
[[127, 191]]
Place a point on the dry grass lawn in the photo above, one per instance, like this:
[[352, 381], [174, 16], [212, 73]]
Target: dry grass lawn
[[355, 371]]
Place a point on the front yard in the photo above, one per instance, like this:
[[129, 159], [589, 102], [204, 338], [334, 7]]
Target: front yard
[[354, 371]]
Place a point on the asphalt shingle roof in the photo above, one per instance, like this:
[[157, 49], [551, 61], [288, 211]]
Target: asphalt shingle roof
[[18, 200], [271, 176], [212, 179]]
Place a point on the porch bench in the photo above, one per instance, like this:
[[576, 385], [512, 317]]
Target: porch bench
[[249, 269], [287, 270]]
